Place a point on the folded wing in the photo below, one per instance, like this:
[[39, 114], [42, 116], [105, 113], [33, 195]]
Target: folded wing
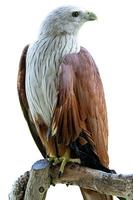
[[81, 105]]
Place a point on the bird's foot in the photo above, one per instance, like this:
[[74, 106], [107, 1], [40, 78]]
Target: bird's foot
[[64, 160], [53, 160]]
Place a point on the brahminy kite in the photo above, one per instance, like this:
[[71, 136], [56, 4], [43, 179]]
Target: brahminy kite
[[62, 96]]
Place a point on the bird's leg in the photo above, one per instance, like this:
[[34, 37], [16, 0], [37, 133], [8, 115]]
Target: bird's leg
[[53, 159], [65, 159]]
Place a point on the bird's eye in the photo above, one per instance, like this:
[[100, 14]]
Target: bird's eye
[[75, 14]]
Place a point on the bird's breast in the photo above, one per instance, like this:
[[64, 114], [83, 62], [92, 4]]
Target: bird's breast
[[42, 73], [41, 88]]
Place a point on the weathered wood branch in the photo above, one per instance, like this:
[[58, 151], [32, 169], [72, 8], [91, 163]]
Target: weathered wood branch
[[35, 186]]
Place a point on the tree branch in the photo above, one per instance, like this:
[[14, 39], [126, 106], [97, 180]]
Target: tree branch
[[42, 176]]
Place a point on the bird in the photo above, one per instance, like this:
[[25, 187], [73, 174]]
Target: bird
[[62, 96]]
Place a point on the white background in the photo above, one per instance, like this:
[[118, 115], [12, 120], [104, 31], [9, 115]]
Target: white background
[[110, 41]]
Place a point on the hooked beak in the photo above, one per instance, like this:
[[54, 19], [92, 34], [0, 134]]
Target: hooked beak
[[90, 16]]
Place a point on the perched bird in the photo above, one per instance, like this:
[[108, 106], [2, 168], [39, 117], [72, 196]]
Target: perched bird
[[62, 97]]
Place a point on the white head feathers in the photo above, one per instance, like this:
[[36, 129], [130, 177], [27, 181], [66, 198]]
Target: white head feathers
[[65, 20]]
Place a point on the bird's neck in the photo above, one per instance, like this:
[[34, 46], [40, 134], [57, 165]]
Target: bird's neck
[[59, 46], [51, 51]]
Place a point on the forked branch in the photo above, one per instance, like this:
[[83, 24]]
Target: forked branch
[[34, 185]]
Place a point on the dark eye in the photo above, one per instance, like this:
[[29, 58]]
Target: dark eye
[[75, 14]]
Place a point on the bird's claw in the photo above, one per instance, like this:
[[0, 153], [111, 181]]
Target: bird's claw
[[63, 160], [53, 160]]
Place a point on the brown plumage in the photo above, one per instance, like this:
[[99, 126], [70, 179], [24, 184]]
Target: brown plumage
[[81, 104], [80, 114]]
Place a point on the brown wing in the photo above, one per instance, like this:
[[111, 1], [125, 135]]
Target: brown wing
[[81, 104], [24, 103]]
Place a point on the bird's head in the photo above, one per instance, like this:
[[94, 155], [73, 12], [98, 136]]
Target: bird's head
[[66, 20]]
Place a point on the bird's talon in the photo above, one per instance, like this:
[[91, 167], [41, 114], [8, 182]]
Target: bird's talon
[[53, 160], [60, 174], [63, 160], [51, 181], [76, 160], [50, 162], [56, 161]]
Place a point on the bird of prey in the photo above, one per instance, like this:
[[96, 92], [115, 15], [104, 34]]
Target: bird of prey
[[62, 96]]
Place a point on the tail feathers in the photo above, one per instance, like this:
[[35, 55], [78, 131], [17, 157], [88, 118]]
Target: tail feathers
[[92, 195]]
